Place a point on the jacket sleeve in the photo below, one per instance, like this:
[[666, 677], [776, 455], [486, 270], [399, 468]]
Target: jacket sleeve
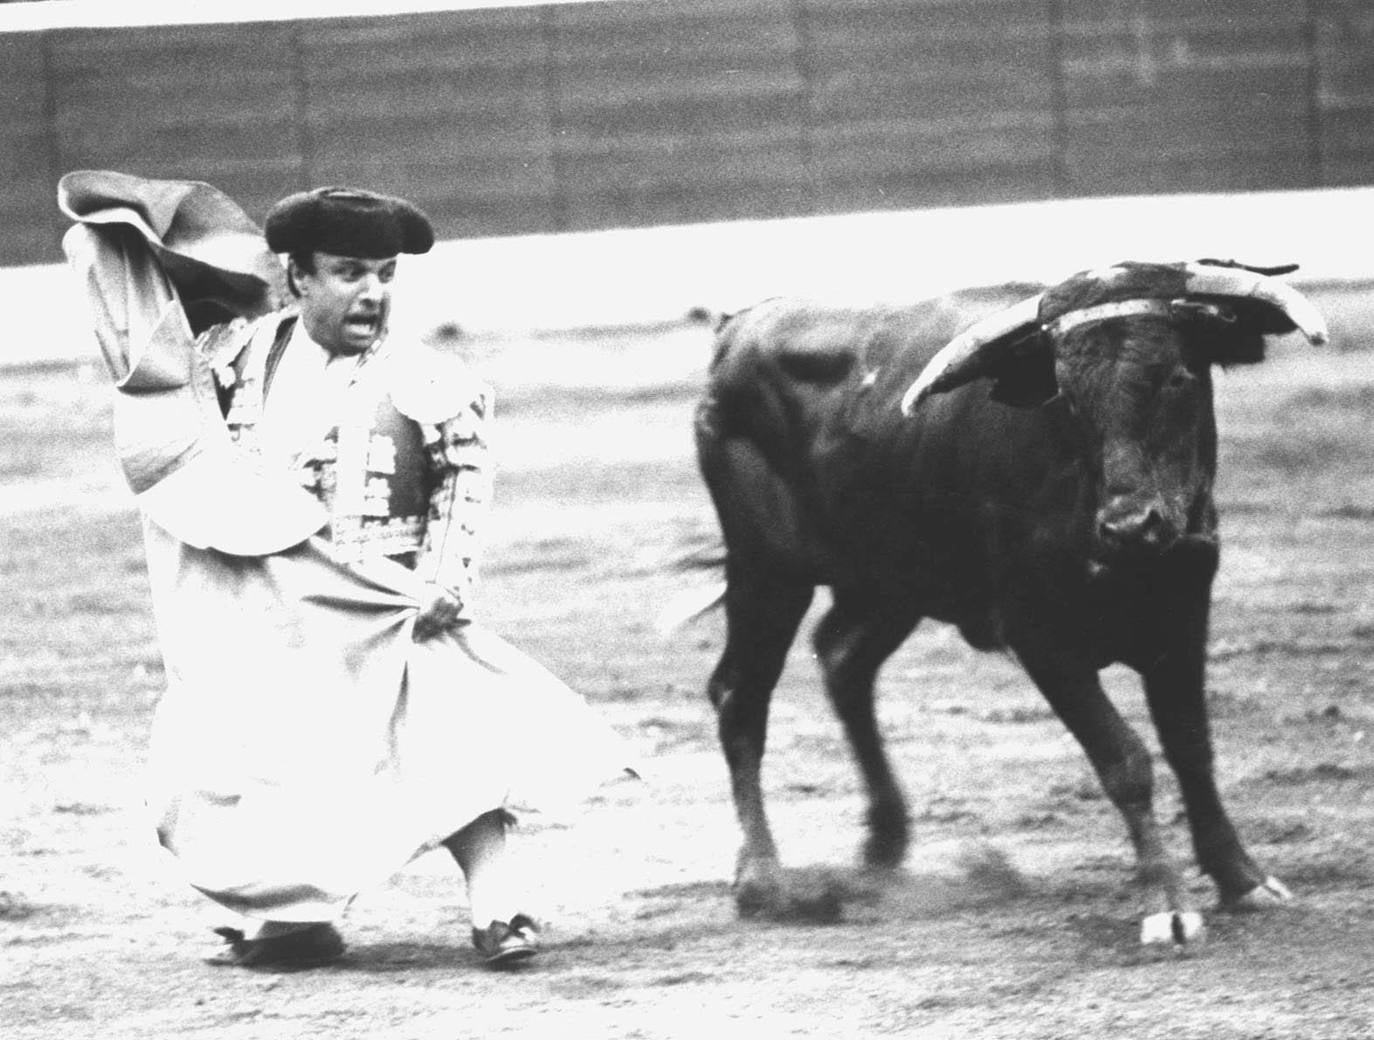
[[461, 487]]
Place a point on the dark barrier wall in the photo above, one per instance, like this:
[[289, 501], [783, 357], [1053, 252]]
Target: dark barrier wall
[[631, 113]]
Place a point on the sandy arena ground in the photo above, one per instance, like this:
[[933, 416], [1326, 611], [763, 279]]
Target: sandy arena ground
[[1014, 917]]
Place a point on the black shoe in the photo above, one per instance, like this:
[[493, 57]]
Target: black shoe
[[502, 944], [311, 947]]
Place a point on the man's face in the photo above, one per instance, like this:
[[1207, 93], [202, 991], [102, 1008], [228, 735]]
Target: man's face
[[345, 302]]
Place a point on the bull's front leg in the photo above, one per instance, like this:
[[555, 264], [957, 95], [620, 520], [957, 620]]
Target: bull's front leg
[[1174, 687], [1122, 763]]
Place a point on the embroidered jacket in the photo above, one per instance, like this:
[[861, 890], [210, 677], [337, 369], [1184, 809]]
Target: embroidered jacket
[[398, 456]]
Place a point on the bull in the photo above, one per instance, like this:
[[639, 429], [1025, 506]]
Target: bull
[[1044, 482]]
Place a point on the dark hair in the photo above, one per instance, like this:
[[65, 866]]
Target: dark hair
[[305, 260]]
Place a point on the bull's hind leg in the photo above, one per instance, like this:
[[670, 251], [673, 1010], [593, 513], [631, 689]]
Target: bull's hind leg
[[762, 618], [852, 641], [1122, 762]]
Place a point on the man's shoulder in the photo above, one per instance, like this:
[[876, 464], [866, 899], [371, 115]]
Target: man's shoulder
[[433, 385], [222, 344]]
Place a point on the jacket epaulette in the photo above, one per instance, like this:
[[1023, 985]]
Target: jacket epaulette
[[225, 346], [432, 387], [221, 344]]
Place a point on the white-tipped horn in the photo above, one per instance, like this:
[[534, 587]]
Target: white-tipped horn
[[1228, 281], [964, 347]]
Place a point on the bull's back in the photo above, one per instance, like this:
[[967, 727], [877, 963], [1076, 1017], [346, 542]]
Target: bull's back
[[808, 457], [795, 364]]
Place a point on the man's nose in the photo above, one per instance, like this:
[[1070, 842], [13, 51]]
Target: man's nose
[[371, 287]]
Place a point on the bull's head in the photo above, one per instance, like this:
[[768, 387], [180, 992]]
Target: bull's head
[[1129, 351]]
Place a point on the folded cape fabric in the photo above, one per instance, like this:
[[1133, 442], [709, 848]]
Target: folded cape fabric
[[142, 249], [214, 254]]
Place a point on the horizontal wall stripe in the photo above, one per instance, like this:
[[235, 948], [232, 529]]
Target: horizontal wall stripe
[[566, 117]]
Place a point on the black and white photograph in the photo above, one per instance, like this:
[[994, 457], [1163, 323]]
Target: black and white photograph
[[652, 520]]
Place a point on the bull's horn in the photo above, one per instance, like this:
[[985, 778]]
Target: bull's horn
[[1239, 282], [960, 353]]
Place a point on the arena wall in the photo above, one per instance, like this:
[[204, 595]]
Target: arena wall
[[630, 113]]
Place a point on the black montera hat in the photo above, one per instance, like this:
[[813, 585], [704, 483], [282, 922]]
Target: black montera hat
[[347, 222]]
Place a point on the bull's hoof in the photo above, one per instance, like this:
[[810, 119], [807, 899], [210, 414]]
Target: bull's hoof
[[758, 886], [884, 852], [1172, 928], [1271, 892], [756, 900], [802, 898], [818, 907], [889, 834]]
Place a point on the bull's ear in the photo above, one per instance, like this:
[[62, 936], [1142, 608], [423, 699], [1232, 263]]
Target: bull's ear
[[1242, 343], [1230, 332], [1023, 376], [1262, 317], [1217, 335]]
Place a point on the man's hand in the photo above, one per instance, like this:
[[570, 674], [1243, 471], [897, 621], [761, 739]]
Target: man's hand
[[438, 613]]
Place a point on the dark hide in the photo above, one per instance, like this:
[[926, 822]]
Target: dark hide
[[1059, 506]]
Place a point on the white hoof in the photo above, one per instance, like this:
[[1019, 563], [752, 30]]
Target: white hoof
[[1271, 892], [1172, 927]]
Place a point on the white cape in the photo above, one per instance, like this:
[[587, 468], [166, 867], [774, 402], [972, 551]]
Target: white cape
[[307, 748]]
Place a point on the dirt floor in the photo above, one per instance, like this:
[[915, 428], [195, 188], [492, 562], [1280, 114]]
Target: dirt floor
[[1014, 917]]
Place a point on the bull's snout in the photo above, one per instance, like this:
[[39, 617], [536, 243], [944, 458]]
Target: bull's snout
[[1135, 529]]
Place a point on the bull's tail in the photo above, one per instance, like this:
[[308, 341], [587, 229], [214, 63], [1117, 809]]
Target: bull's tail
[[687, 606], [690, 604]]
